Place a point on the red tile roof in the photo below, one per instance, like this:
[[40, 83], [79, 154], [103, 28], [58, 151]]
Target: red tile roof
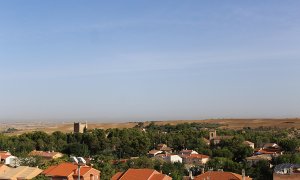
[[186, 151], [160, 177], [47, 154], [140, 174], [219, 175], [66, 169], [197, 156], [50, 168], [117, 175], [4, 156], [131, 174], [269, 151]]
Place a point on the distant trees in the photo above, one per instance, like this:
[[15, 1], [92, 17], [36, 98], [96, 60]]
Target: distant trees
[[104, 146]]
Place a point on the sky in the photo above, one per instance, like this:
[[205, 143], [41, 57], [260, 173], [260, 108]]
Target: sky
[[146, 60]]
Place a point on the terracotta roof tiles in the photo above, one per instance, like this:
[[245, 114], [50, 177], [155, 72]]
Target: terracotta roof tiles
[[220, 175], [140, 174], [65, 169]]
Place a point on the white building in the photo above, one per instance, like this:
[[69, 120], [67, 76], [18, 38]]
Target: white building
[[248, 143], [172, 158]]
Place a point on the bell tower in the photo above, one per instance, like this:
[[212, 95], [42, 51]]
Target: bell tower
[[212, 134]]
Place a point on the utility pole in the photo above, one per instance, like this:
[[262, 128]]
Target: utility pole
[[80, 162]]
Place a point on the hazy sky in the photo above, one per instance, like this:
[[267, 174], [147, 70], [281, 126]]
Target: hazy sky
[[149, 60]]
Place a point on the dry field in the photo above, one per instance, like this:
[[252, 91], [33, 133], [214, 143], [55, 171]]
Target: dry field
[[226, 123]]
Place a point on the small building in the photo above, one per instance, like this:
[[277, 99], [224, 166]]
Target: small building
[[270, 148], [140, 174], [187, 152], [164, 148], [6, 157], [248, 143], [286, 171], [196, 159], [80, 127], [171, 158], [253, 160], [220, 175], [69, 171], [154, 152], [46, 154], [21, 172]]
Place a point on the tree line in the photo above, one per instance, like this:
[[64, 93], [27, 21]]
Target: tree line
[[105, 146]]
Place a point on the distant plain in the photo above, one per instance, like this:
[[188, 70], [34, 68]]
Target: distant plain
[[225, 123]]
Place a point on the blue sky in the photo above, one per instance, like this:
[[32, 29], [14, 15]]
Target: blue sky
[[149, 60]]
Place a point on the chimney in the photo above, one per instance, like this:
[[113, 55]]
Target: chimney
[[243, 174], [160, 167], [191, 174], [202, 171]]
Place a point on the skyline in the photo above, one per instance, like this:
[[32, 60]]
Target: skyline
[[149, 60]]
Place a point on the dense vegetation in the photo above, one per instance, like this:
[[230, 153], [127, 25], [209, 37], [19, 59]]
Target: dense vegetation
[[106, 146]]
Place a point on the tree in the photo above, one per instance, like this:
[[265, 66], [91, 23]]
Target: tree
[[225, 164], [289, 144], [225, 152], [262, 171], [77, 149], [104, 164]]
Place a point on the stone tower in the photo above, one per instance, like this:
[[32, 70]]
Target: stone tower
[[79, 127], [212, 134]]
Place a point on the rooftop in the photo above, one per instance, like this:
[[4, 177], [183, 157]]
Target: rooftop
[[220, 175], [140, 174], [65, 169], [49, 154]]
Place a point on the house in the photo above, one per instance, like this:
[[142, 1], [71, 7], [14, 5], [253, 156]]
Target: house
[[248, 143], [140, 174], [187, 152], [7, 158], [254, 159], [196, 159], [270, 148], [220, 175], [286, 171], [172, 158], [217, 139], [164, 148], [21, 172], [69, 171], [154, 152], [46, 154]]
